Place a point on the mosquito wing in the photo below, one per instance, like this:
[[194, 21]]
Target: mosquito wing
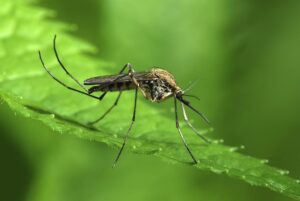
[[120, 78]]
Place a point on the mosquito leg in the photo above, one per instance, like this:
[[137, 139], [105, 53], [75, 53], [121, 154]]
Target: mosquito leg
[[126, 136], [63, 67], [130, 73], [191, 126], [108, 111], [63, 84], [180, 132]]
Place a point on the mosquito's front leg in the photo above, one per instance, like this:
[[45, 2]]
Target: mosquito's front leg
[[180, 132]]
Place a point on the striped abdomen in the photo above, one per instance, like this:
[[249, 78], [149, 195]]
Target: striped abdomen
[[114, 86], [107, 83]]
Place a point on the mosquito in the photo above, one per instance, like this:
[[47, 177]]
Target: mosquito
[[156, 85]]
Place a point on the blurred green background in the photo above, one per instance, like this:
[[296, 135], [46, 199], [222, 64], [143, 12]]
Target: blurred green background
[[246, 57]]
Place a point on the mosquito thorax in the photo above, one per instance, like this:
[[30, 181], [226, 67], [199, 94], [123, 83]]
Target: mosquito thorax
[[168, 78], [160, 87]]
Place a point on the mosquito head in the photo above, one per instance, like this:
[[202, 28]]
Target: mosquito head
[[179, 94]]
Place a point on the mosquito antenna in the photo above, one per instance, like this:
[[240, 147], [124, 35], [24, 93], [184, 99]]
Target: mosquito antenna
[[192, 96], [191, 85], [63, 67], [195, 110]]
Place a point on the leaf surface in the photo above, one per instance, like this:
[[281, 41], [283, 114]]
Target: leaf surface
[[30, 91]]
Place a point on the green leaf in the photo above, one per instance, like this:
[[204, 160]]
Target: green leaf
[[30, 91]]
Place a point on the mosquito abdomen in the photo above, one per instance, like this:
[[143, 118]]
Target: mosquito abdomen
[[114, 86]]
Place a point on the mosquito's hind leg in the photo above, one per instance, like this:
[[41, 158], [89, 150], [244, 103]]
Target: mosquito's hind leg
[[191, 126], [64, 68], [126, 136], [180, 132], [62, 83], [108, 111]]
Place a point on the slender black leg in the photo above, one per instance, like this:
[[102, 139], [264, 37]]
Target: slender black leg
[[131, 74], [108, 111], [132, 122], [63, 84], [180, 132], [63, 67], [191, 126]]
